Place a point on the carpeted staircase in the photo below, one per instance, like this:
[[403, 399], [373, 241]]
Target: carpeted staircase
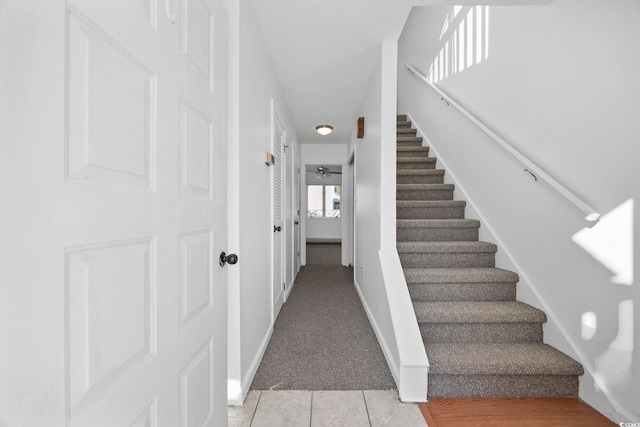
[[480, 341]]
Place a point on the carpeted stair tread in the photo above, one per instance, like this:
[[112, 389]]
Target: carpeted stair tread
[[496, 291], [500, 359], [437, 230], [460, 275], [420, 172], [425, 187], [424, 191], [403, 123], [410, 150], [443, 254], [445, 247], [405, 131], [477, 312], [429, 209], [408, 139], [438, 223], [430, 203], [420, 176], [415, 159]]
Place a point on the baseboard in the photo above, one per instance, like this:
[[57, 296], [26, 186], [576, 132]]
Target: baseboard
[[288, 290], [393, 365], [255, 364]]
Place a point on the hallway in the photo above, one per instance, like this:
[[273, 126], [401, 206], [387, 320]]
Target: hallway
[[322, 339], [323, 365]]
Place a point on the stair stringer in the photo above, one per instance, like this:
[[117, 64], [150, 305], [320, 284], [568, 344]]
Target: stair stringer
[[554, 333]]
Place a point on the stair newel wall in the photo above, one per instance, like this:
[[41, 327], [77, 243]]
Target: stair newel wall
[[377, 272]]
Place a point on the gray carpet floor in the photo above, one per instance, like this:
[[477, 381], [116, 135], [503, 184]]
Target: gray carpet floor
[[322, 339]]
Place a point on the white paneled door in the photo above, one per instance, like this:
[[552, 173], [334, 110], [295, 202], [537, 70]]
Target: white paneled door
[[113, 177]]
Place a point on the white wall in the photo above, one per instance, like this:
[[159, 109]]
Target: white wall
[[324, 229], [560, 83], [254, 86]]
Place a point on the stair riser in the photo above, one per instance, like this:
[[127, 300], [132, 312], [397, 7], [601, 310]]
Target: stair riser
[[405, 131], [430, 164], [420, 179], [463, 292], [424, 195], [429, 234], [445, 385], [401, 117], [403, 124], [481, 332], [447, 260], [430, 213]]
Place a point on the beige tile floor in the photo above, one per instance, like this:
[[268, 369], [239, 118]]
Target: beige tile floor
[[353, 408]]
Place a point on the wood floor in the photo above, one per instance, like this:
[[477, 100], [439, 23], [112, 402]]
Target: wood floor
[[501, 412]]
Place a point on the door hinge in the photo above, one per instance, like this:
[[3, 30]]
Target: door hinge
[[283, 286]]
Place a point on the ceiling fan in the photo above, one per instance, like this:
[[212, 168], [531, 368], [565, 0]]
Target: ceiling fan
[[323, 172]]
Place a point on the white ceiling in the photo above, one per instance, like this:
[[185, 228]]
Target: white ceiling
[[324, 52]]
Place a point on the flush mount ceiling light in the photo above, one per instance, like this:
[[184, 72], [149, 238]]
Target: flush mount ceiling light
[[324, 130]]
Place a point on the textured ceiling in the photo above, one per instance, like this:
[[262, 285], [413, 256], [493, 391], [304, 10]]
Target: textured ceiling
[[324, 52]]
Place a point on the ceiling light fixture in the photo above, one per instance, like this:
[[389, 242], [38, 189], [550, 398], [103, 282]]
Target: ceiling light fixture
[[324, 130]]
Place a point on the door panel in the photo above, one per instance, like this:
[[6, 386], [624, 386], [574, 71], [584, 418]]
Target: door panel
[[116, 195]]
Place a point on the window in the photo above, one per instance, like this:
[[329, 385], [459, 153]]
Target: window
[[323, 201]]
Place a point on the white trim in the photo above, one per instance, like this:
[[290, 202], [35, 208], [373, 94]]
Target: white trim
[[287, 291]]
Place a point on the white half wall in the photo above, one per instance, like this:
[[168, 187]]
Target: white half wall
[[559, 82]]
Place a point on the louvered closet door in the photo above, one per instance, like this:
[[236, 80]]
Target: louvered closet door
[[115, 192], [278, 223]]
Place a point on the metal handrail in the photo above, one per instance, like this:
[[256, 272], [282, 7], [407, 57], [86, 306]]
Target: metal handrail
[[536, 172]]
